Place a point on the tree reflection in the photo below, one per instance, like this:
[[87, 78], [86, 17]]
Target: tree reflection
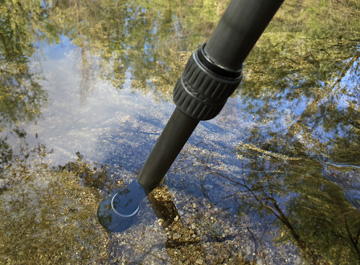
[[21, 96], [291, 198], [147, 41], [304, 83], [300, 152], [303, 94], [306, 206]]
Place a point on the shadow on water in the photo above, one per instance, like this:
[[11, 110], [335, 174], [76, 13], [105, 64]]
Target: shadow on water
[[273, 180]]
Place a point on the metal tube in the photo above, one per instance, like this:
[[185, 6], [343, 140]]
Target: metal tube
[[174, 136], [238, 30]]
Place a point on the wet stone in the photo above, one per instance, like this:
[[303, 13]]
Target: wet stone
[[176, 236], [199, 261]]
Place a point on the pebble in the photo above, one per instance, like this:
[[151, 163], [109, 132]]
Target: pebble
[[199, 261], [176, 236], [3, 183]]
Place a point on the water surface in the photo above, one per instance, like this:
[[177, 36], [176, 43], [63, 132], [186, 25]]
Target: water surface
[[85, 91]]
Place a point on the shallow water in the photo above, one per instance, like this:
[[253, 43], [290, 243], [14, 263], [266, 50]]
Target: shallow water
[[86, 91]]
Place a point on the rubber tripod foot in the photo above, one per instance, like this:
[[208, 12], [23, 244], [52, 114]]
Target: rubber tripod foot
[[119, 211]]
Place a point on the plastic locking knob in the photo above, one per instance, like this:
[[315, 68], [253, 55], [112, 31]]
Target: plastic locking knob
[[203, 88]]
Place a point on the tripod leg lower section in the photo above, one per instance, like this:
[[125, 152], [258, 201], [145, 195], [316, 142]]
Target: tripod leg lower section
[[174, 136]]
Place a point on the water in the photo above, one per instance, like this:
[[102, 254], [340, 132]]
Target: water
[[86, 91]]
